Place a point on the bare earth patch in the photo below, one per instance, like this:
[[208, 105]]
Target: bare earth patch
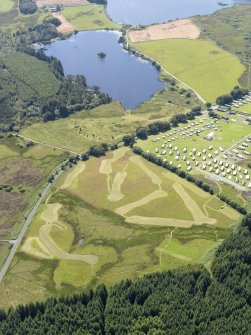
[[66, 3], [177, 29], [65, 26]]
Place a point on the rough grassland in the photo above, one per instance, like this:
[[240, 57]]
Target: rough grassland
[[199, 63], [92, 17], [107, 123]]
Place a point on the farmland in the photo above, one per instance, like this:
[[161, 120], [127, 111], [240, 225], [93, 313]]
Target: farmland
[[210, 70], [89, 17], [24, 172], [137, 219], [6, 5], [245, 108]]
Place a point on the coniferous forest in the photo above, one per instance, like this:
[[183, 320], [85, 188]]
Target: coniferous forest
[[185, 301]]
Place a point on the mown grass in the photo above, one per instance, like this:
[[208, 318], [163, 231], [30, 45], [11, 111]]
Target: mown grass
[[210, 70], [245, 108], [6, 5], [230, 29], [90, 17]]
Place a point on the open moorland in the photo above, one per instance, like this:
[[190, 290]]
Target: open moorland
[[24, 169], [209, 70], [137, 219]]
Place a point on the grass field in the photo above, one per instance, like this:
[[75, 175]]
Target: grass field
[[90, 17], [108, 123], [229, 28], [6, 5], [245, 108], [210, 70], [137, 219]]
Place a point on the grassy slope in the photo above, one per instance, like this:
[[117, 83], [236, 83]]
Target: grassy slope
[[108, 123], [90, 17], [208, 69], [230, 29]]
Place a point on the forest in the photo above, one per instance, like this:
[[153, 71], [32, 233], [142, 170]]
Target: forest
[[189, 300], [25, 98]]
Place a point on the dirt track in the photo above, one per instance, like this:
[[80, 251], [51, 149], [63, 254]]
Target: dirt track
[[65, 26], [176, 29]]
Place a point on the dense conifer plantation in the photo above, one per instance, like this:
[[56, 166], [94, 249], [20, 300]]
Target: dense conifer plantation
[[185, 301]]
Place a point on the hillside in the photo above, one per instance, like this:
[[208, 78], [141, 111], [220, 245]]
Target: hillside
[[186, 301]]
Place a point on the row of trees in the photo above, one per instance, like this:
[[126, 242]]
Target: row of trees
[[157, 127], [27, 6], [235, 94], [185, 301]]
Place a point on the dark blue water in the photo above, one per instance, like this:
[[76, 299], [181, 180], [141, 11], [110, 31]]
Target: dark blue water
[[154, 11], [126, 78]]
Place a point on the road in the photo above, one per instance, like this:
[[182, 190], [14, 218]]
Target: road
[[48, 145], [16, 243]]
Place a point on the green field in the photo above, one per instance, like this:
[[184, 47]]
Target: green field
[[229, 28], [108, 123], [90, 17], [137, 219], [189, 150], [205, 67], [6, 5], [245, 108]]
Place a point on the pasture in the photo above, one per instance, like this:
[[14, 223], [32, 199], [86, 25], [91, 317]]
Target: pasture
[[245, 108], [6, 5], [89, 17], [200, 64], [137, 219]]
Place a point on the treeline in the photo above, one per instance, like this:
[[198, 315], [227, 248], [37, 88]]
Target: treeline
[[74, 95], [27, 6], [157, 127], [183, 174], [185, 301], [17, 105], [237, 93]]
